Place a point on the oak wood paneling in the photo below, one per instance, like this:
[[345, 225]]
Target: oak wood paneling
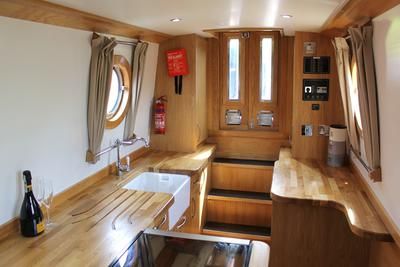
[[54, 14], [185, 113], [331, 112], [380, 209], [311, 236], [243, 178], [247, 147], [383, 254]]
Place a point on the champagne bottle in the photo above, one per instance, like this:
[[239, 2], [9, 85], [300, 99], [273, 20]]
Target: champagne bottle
[[31, 217]]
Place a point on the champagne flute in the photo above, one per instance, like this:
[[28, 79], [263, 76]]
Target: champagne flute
[[38, 190], [47, 199]]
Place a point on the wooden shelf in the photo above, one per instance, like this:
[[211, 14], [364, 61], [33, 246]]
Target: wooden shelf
[[238, 231]]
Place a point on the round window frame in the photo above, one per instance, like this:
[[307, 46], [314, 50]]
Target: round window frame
[[122, 64]]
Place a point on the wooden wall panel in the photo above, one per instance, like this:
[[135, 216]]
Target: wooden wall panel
[[383, 254], [244, 213], [250, 144], [314, 147], [183, 133], [54, 14], [309, 236], [201, 91], [247, 147], [241, 178]]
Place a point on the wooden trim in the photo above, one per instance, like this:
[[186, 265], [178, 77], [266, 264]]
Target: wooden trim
[[215, 32], [12, 225], [9, 227], [54, 14], [244, 166], [226, 103], [122, 63], [236, 235], [254, 80], [353, 12], [380, 209], [240, 199]]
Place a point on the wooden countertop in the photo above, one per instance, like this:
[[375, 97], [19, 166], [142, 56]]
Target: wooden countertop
[[315, 183], [96, 225]]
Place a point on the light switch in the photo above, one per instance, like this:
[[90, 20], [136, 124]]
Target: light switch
[[306, 130]]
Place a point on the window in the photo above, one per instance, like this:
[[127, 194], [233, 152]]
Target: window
[[266, 69], [120, 90], [249, 65], [234, 62]]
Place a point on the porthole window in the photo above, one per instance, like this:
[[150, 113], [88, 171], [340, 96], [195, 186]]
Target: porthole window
[[120, 90]]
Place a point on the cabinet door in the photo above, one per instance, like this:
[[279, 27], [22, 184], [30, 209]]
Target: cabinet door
[[195, 210]]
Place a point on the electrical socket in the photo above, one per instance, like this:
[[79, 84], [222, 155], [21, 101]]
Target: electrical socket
[[323, 130]]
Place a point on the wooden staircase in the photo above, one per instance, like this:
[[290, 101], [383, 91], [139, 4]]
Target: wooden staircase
[[239, 203]]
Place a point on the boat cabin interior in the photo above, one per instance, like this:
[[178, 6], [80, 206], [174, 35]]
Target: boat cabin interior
[[200, 133]]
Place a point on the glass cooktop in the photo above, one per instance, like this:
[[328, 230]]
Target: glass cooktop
[[154, 248]]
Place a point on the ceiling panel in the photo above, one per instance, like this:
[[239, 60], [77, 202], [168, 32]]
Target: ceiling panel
[[308, 15]]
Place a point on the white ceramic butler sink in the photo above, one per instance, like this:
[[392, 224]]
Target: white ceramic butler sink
[[176, 184]]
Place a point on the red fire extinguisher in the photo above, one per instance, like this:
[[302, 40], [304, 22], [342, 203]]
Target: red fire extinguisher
[[160, 115]]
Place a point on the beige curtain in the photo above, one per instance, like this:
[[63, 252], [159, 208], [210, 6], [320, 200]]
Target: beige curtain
[[101, 64], [361, 39], [138, 62], [342, 53]]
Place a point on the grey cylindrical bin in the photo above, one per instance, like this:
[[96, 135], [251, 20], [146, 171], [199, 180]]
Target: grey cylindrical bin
[[337, 145]]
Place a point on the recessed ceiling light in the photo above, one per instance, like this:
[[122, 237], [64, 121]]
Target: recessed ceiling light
[[287, 16], [175, 20]]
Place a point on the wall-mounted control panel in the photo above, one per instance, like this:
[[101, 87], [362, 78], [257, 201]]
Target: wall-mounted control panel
[[316, 65], [315, 89]]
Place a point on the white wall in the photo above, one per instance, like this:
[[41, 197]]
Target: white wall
[[387, 61], [43, 99]]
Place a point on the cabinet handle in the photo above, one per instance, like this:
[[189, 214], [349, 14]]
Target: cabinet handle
[[182, 224], [193, 207], [162, 222]]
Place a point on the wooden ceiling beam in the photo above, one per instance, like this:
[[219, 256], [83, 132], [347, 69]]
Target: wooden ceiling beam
[[54, 14], [353, 12]]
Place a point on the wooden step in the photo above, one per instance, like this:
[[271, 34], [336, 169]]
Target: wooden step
[[240, 196], [238, 231], [252, 178], [266, 163], [242, 211]]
